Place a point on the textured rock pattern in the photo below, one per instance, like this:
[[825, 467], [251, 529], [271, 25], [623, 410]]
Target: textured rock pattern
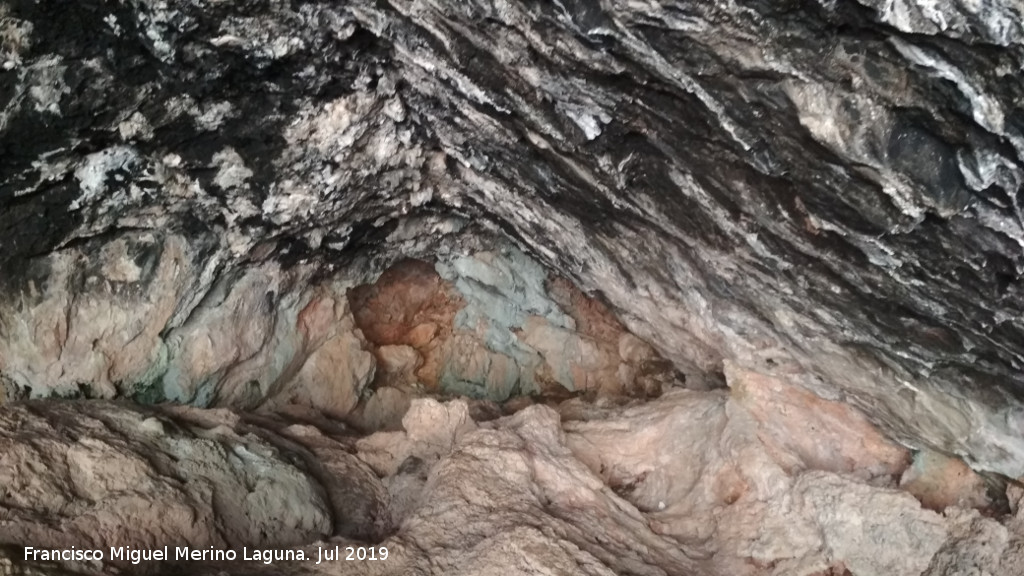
[[831, 184], [409, 306], [686, 484], [92, 475], [270, 338], [146, 321], [493, 325]]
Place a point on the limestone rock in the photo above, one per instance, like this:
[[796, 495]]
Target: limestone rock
[[940, 482], [430, 429], [397, 365], [977, 545], [688, 483], [486, 327], [754, 504], [803, 431], [383, 410], [813, 204], [148, 321], [827, 184], [94, 475], [90, 323]]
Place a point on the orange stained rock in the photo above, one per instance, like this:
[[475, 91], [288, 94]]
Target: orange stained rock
[[801, 430], [410, 304]]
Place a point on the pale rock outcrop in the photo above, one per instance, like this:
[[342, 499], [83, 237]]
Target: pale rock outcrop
[[680, 485], [93, 474], [430, 431], [145, 321], [261, 344], [90, 323], [692, 484], [802, 431], [404, 458], [529, 492], [767, 479]]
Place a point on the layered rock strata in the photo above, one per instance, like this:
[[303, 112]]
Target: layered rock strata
[[831, 184]]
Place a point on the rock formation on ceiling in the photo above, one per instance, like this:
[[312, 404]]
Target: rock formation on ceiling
[[287, 214]]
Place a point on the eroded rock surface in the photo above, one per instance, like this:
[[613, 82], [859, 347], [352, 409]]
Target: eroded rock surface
[[94, 475], [692, 483], [203, 202], [269, 338], [830, 184], [146, 321], [494, 326]]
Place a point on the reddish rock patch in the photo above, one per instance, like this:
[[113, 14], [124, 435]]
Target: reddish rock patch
[[804, 431], [625, 364], [593, 318], [409, 305]]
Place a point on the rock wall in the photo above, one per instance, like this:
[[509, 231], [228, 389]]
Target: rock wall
[[814, 203], [828, 185], [92, 475], [146, 321], [694, 482], [494, 326]]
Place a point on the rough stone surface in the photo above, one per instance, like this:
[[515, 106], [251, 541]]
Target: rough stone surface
[[92, 474], [940, 482], [827, 183], [801, 431], [495, 325], [148, 322], [91, 321], [816, 204], [686, 484]]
